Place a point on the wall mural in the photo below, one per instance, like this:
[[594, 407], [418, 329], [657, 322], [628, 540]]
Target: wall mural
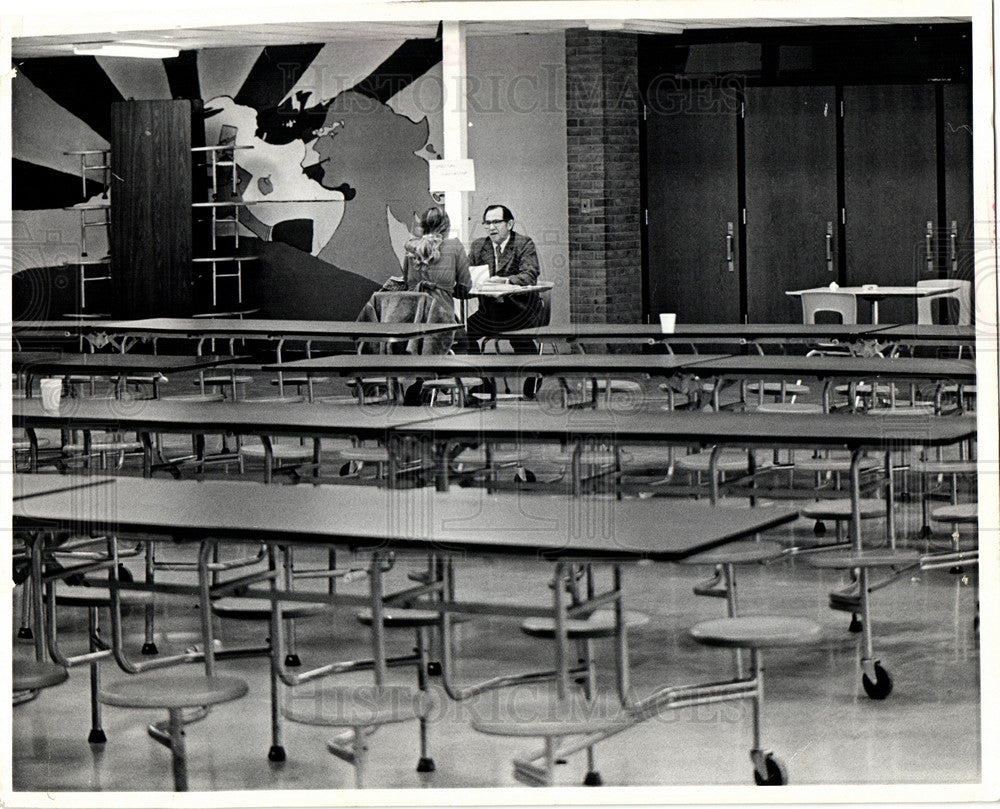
[[337, 168]]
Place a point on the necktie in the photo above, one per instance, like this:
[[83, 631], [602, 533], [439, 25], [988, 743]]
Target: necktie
[[496, 259]]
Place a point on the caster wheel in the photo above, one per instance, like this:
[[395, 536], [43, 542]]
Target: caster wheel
[[292, 661], [529, 477], [956, 570], [25, 633], [881, 687], [819, 528], [97, 736], [124, 574], [276, 753], [593, 779], [149, 649], [924, 533], [855, 625], [426, 765], [776, 775], [433, 669]]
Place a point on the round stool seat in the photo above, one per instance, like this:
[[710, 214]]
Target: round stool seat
[[173, 690], [256, 609], [788, 407], [728, 461], [834, 464], [358, 706], [599, 624], [23, 444], [879, 557], [364, 454], [842, 509], [737, 553], [31, 675], [477, 455], [908, 411], [240, 379], [549, 716], [299, 380], [274, 399], [944, 467], [963, 512], [395, 618], [99, 597], [757, 632], [280, 452], [194, 397]]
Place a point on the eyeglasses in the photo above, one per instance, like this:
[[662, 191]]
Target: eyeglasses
[[494, 222]]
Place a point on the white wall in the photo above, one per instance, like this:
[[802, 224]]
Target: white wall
[[517, 137]]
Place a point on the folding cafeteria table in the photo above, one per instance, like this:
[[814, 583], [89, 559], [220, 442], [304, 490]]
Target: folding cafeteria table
[[382, 522], [857, 433], [591, 366], [35, 363], [831, 368]]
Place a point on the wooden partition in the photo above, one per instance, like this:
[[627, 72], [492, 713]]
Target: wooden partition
[[151, 219]]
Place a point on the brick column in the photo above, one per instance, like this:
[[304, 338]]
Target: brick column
[[602, 145]]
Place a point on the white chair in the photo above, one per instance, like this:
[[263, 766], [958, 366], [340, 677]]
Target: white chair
[[962, 297], [843, 304]]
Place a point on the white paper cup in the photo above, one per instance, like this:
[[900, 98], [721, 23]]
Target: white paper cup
[[667, 322], [51, 394]]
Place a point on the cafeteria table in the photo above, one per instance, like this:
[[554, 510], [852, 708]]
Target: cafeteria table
[[856, 433], [831, 368], [414, 521], [580, 334], [875, 293], [591, 366], [263, 419], [122, 334], [35, 363]]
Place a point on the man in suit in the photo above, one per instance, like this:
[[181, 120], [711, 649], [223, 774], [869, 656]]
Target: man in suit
[[512, 260]]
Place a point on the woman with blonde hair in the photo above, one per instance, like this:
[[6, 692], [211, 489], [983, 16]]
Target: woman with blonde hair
[[435, 263]]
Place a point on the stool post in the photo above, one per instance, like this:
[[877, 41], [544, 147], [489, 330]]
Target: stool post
[[621, 638], [97, 735], [729, 572], [177, 752], [758, 697], [204, 586], [360, 756], [559, 610], [378, 625], [277, 629], [856, 497], [149, 645]]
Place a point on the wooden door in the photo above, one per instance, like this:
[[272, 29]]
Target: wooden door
[[692, 204], [791, 197], [890, 188]]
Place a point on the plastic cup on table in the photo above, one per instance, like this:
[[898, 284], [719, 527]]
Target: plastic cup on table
[[51, 394], [667, 322]]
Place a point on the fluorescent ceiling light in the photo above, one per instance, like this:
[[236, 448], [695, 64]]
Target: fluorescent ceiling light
[[126, 49], [636, 26]]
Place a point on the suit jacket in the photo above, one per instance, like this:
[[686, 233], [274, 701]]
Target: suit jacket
[[519, 263]]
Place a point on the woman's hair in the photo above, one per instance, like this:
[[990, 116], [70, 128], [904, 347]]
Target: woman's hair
[[434, 225]]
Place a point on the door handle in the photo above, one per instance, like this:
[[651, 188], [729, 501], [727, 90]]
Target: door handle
[[729, 246], [929, 239], [829, 246], [953, 243]]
